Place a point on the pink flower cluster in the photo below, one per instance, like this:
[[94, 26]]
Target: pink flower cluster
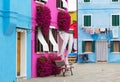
[[63, 20], [43, 18], [46, 65]]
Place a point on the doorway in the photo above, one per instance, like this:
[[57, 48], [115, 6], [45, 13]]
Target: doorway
[[102, 51], [21, 53]]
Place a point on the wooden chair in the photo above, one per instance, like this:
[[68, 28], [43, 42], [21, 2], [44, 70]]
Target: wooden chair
[[63, 67]]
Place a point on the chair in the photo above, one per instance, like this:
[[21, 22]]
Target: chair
[[63, 67]]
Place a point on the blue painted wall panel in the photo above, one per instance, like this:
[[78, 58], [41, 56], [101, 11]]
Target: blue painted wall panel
[[13, 14], [101, 12]]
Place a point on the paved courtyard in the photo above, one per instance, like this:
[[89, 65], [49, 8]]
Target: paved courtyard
[[100, 72]]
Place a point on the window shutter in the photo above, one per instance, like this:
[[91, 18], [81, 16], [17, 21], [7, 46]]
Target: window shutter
[[115, 20], [87, 20], [93, 46], [114, 0], [86, 0], [111, 46], [83, 46], [59, 3], [119, 46]]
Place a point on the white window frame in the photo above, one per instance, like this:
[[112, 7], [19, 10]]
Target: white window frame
[[111, 20], [86, 40], [83, 20], [115, 1], [60, 8], [113, 40]]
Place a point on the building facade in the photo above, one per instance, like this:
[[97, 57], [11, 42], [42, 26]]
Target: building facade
[[15, 47], [46, 43], [98, 30]]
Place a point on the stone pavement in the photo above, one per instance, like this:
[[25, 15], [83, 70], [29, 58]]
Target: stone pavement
[[100, 72]]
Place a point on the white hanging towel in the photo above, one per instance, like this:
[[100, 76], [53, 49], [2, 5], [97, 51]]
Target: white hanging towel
[[52, 40], [64, 3], [42, 41], [102, 29], [75, 44], [115, 32]]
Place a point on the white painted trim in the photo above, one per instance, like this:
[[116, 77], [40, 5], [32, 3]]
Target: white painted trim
[[87, 40], [111, 20], [60, 8], [39, 2], [83, 20], [115, 40], [43, 41], [16, 53], [23, 54], [52, 27]]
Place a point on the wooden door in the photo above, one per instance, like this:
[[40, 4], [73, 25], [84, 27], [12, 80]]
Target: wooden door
[[18, 52]]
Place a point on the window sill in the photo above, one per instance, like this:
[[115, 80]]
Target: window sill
[[88, 52], [38, 2], [60, 9], [40, 53], [115, 52]]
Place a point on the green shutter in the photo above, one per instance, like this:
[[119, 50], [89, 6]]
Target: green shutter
[[115, 20], [86, 0], [93, 46], [111, 46], [119, 46], [83, 46], [114, 0], [87, 20]]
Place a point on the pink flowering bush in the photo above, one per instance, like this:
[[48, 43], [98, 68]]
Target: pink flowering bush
[[43, 18], [46, 66], [63, 20]]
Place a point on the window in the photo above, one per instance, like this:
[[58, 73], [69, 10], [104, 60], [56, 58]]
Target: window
[[41, 41], [61, 4], [86, 0], [88, 46], [114, 0], [115, 46], [43, 1], [115, 20], [53, 40], [87, 20]]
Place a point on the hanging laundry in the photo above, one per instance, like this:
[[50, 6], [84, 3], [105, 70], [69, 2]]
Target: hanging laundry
[[91, 31], [97, 31], [115, 32], [87, 30], [102, 29]]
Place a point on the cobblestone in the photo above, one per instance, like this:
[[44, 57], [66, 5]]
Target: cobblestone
[[99, 72]]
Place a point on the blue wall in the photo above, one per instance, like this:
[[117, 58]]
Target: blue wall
[[101, 12], [13, 14]]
